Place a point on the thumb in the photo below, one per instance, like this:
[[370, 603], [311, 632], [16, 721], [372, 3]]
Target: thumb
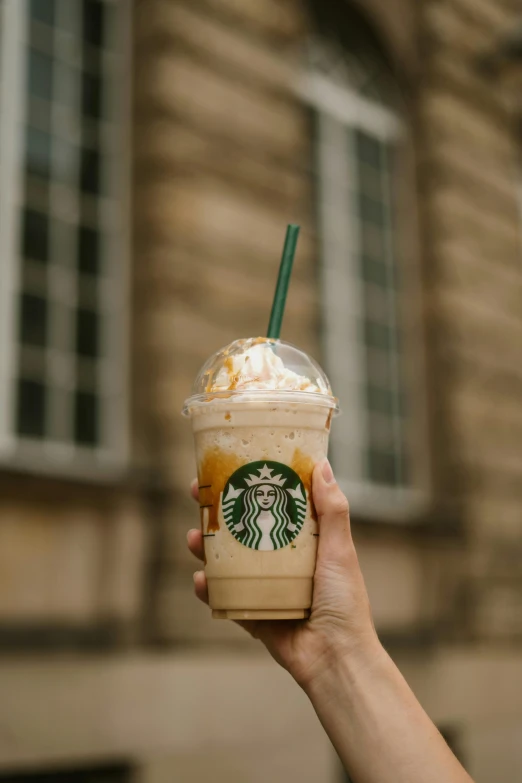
[[335, 538]]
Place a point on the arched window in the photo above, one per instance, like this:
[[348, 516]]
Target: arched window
[[378, 445]]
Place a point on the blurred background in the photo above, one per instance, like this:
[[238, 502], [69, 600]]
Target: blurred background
[[151, 155]]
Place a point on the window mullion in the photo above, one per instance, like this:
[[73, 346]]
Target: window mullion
[[11, 167], [65, 209], [398, 434]]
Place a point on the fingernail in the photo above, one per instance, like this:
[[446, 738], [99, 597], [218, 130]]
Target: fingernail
[[328, 472], [195, 575]]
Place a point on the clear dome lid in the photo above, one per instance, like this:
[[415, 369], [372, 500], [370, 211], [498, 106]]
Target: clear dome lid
[[260, 368]]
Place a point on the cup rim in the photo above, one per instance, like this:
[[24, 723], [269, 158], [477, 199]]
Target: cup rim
[[199, 401]]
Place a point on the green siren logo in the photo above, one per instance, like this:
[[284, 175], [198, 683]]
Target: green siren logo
[[264, 505]]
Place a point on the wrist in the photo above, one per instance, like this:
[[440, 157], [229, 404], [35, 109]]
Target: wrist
[[343, 662]]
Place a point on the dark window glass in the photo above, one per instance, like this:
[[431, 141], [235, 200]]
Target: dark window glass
[[91, 96], [40, 75], [371, 210], [116, 773], [31, 408], [90, 172], [35, 235], [43, 11], [382, 467], [86, 418], [39, 187], [38, 152], [93, 22], [373, 241], [87, 337], [33, 320], [88, 251], [377, 335], [374, 271], [39, 114], [405, 466], [381, 400], [368, 150]]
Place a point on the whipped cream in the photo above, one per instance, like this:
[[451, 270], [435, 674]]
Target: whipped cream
[[258, 367]]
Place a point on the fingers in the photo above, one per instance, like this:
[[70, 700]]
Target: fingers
[[194, 491], [195, 543], [200, 586], [335, 542]]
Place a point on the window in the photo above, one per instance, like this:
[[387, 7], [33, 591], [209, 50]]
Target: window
[[114, 773], [358, 132], [63, 247]]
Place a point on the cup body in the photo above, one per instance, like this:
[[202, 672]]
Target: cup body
[[255, 461]]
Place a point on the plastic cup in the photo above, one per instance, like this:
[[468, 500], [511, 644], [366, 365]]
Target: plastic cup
[[256, 449]]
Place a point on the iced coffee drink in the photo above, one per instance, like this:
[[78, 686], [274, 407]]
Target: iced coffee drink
[[261, 411]]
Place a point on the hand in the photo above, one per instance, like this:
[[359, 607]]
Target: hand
[[340, 622]]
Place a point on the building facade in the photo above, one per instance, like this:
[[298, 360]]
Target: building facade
[[151, 154]]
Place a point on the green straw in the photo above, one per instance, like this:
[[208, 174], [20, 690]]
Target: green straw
[[285, 270]]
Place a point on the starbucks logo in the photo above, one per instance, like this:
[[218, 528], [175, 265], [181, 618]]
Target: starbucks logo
[[264, 505]]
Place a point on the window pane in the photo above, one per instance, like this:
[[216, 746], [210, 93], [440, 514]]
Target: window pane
[[374, 271], [376, 263], [90, 172], [33, 320], [39, 114], [42, 11], [87, 337], [93, 22], [371, 210], [88, 250], [377, 335], [86, 419], [369, 149], [91, 96], [381, 400], [382, 467], [115, 773], [38, 152], [35, 235], [40, 75], [31, 408]]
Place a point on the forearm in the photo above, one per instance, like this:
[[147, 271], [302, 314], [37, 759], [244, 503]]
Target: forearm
[[377, 726]]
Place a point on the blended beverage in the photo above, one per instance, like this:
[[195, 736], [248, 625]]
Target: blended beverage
[[261, 413]]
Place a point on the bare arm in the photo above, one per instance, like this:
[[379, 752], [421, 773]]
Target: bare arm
[[376, 724]]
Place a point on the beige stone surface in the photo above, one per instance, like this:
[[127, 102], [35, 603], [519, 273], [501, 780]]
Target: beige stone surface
[[476, 295], [75, 566], [242, 711], [219, 42], [402, 582]]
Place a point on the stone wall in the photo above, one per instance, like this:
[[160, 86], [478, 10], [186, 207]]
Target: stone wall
[[474, 288], [73, 565]]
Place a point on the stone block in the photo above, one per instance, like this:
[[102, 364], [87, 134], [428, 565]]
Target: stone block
[[208, 98], [218, 41]]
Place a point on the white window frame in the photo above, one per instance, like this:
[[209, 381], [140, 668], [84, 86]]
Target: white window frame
[[105, 462], [339, 109]]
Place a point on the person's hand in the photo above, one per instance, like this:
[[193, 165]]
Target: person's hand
[[340, 622]]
